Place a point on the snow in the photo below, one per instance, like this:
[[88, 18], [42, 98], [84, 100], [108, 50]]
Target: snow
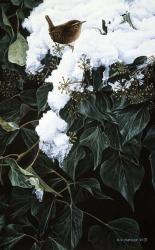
[[37, 189], [122, 43], [53, 139]]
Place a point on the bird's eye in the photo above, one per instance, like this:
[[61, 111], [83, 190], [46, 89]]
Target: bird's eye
[[76, 24]]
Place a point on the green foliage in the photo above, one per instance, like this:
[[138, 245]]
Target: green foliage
[[68, 227], [108, 130], [122, 173], [108, 138], [118, 234], [17, 50]]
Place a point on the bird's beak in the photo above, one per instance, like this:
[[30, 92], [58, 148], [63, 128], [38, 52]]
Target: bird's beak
[[83, 21]]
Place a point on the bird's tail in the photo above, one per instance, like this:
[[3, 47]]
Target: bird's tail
[[50, 23]]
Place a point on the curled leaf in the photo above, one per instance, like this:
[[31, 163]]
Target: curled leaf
[[17, 51], [8, 126]]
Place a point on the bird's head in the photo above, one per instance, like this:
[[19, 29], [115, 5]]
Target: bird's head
[[76, 24]]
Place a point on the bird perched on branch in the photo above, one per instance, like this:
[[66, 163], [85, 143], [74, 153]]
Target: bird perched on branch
[[65, 33]]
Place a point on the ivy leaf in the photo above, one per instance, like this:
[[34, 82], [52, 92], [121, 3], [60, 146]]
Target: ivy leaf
[[8, 126], [119, 234], [4, 44], [89, 109], [53, 244], [17, 50], [29, 97], [97, 141], [42, 184], [140, 60], [24, 109], [121, 173], [132, 120], [44, 212], [92, 185], [42, 94], [152, 161], [6, 139], [18, 176], [2, 222], [32, 3], [114, 135], [7, 25], [97, 76], [72, 160], [68, 227], [10, 110], [10, 242], [29, 136], [149, 140], [28, 3], [16, 2]]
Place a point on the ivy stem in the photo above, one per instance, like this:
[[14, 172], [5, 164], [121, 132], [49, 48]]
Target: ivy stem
[[27, 151], [95, 218], [33, 238], [65, 188], [29, 122], [9, 156], [55, 172], [87, 213], [36, 156]]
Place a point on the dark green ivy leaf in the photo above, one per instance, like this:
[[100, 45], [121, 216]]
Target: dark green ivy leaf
[[140, 60], [89, 109], [53, 245], [29, 136], [29, 97], [16, 2], [149, 140], [72, 160], [114, 135], [132, 120], [10, 242], [4, 44], [42, 94], [7, 25], [43, 212], [97, 76], [6, 139], [2, 221], [152, 161], [32, 3], [119, 234], [10, 110], [28, 3], [121, 173], [68, 227], [92, 185], [97, 141]]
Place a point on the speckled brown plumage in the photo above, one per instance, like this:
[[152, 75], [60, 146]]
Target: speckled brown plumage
[[65, 33]]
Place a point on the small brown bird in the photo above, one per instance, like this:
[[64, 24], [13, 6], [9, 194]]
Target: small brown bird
[[65, 33]]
